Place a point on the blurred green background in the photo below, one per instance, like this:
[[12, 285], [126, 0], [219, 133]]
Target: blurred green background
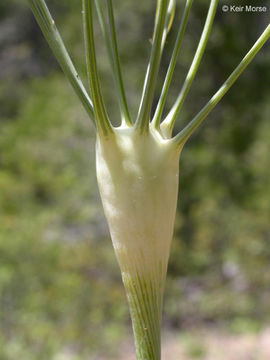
[[61, 295]]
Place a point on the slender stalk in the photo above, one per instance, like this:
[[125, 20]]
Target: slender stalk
[[171, 117], [182, 137], [105, 33], [112, 51], [177, 46], [51, 34], [168, 21], [117, 69], [102, 119], [143, 118]]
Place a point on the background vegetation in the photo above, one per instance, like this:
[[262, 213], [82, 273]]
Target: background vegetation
[[60, 287]]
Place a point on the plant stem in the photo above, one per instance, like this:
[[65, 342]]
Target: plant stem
[[112, 51], [102, 120], [51, 34], [117, 69], [168, 123], [143, 118], [145, 303], [182, 137], [177, 46], [168, 21]]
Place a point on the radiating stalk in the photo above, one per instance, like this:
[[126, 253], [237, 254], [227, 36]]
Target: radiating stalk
[[168, 21], [169, 75], [51, 34], [168, 123], [143, 118], [112, 51], [182, 137], [101, 116], [117, 68]]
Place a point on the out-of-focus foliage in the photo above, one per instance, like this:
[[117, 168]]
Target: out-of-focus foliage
[[60, 288]]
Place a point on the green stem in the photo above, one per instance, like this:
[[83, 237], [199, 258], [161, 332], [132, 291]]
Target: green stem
[[168, 21], [177, 46], [101, 116], [112, 51], [182, 137], [143, 118], [145, 309], [117, 69], [51, 34], [168, 123]]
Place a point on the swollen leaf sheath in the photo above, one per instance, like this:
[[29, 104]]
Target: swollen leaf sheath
[[138, 182]]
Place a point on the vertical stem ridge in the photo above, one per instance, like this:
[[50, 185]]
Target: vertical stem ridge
[[152, 312], [152, 329], [145, 321], [144, 344]]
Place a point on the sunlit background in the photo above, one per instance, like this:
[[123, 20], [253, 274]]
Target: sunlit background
[[61, 296]]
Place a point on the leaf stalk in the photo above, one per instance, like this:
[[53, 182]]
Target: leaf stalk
[[54, 39], [168, 123], [143, 118], [183, 136], [164, 92], [102, 120]]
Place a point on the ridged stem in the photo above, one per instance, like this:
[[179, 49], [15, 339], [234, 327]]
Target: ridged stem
[[144, 296]]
